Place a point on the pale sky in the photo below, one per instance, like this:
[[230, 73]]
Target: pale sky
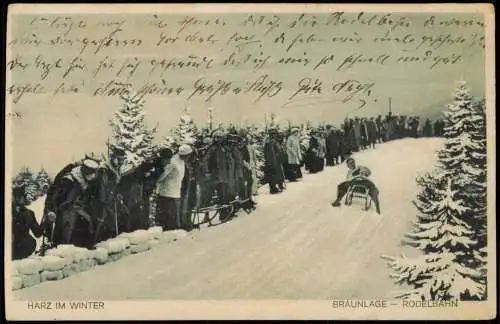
[[55, 130]]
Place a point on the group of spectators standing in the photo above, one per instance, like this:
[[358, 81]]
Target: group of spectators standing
[[286, 152], [91, 200]]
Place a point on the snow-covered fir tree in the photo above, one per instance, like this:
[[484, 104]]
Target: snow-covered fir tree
[[43, 182], [450, 231], [464, 156], [131, 134], [185, 132], [447, 269], [26, 179]]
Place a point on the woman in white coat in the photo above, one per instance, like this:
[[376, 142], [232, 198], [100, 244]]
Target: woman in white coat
[[294, 155]]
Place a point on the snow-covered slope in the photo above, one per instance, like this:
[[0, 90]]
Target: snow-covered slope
[[294, 246]]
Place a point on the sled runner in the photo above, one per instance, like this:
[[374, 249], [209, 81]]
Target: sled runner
[[224, 211], [358, 191]]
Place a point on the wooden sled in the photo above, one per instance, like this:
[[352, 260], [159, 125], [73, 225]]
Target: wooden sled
[[361, 192], [224, 211]]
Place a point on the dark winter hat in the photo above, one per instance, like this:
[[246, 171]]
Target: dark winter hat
[[165, 153]]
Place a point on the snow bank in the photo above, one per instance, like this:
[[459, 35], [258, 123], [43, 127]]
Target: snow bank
[[85, 265], [30, 266], [154, 242], [53, 263], [155, 232], [66, 260], [14, 268], [139, 236], [69, 270], [65, 251], [51, 275], [17, 282], [82, 254], [31, 280], [173, 235], [100, 255], [141, 247], [115, 245]]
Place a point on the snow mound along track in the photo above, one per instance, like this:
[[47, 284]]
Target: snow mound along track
[[66, 260]]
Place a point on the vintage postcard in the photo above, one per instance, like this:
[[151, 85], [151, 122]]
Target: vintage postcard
[[231, 161]]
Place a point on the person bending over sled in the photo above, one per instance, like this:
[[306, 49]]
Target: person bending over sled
[[357, 175]]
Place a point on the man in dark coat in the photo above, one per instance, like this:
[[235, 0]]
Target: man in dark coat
[[68, 201], [239, 187], [380, 131], [390, 128], [332, 146], [427, 129], [23, 221], [107, 205], [439, 128], [372, 132], [217, 171], [345, 147], [364, 133], [403, 129], [188, 191], [273, 157], [315, 154], [356, 129]]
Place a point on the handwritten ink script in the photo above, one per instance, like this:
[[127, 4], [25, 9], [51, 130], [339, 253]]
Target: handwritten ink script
[[334, 55]]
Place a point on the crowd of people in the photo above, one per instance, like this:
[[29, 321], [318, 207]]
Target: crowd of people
[[90, 200]]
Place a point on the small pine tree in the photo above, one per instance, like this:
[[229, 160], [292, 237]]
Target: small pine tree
[[26, 179], [205, 136], [464, 156], [131, 134], [448, 268], [43, 182], [185, 132]]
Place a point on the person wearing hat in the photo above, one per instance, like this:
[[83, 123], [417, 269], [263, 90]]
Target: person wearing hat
[[357, 175], [315, 154], [217, 173], [68, 203], [169, 190], [273, 157], [107, 201], [23, 221], [332, 146], [253, 164], [294, 155]]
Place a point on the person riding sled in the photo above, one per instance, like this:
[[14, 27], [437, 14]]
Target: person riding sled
[[357, 175]]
